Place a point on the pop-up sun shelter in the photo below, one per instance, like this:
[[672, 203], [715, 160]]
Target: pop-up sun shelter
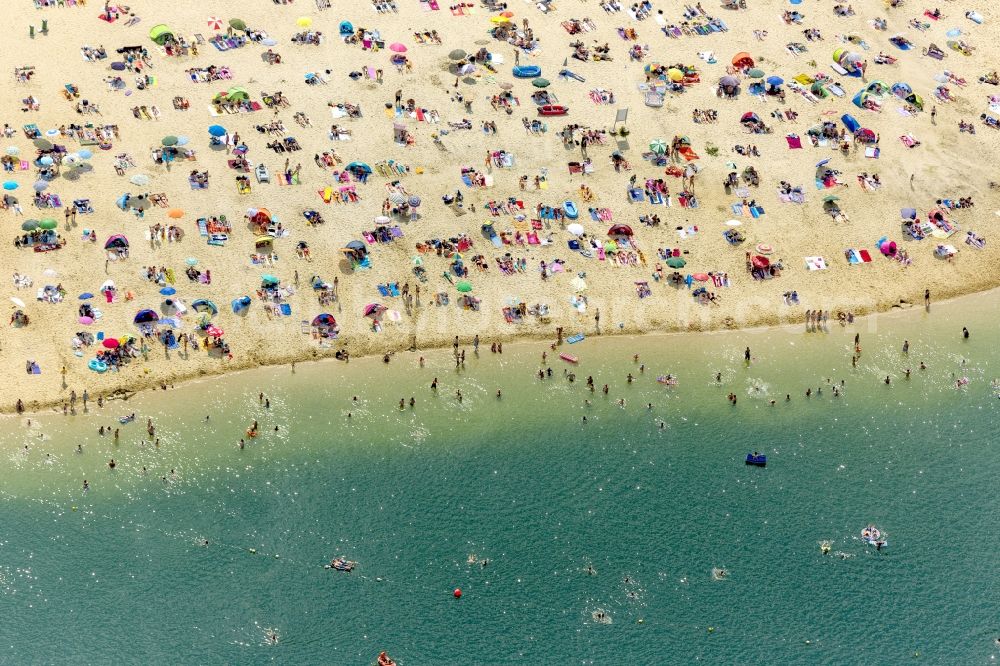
[[161, 34]]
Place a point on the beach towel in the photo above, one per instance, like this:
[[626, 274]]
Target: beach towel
[[793, 141], [816, 263], [872, 152]]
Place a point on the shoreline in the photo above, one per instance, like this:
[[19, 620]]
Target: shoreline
[[149, 381]]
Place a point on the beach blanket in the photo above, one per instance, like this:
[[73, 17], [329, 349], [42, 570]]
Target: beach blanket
[[794, 141]]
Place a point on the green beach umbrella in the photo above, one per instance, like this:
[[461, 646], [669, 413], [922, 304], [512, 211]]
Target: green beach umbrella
[[170, 140], [464, 286], [29, 225], [238, 24], [48, 223], [658, 146], [830, 198], [676, 262], [756, 73], [540, 83]]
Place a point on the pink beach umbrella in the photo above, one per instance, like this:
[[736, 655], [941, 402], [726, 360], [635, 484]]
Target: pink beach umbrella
[[215, 23], [110, 343], [86, 320], [397, 48]]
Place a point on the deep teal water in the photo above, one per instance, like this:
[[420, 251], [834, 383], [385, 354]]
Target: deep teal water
[[118, 574]]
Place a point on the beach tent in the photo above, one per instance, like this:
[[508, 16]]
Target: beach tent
[[374, 310], [916, 100], [359, 168], [865, 135], [204, 305], [267, 280], [161, 34], [901, 89], [117, 240], [261, 241], [742, 60], [860, 99], [346, 28], [237, 94], [819, 90], [261, 218], [620, 230], [750, 117], [850, 122], [145, 316], [241, 303], [324, 319]]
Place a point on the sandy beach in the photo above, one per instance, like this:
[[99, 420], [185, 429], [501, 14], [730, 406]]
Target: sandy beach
[[920, 158]]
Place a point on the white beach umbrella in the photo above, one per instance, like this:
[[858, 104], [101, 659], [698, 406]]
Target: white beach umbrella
[[575, 229]]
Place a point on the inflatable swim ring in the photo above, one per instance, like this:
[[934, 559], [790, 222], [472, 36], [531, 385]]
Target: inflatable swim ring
[[97, 365]]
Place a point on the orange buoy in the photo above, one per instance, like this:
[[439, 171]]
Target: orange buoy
[[458, 593]]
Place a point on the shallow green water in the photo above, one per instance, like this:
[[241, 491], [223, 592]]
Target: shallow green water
[[118, 573]]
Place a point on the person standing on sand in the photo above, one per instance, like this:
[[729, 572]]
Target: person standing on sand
[[927, 299]]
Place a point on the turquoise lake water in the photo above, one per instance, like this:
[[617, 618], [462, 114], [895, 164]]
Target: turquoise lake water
[[119, 573]]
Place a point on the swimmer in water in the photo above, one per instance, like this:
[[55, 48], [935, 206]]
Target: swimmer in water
[[79, 448], [86, 486], [499, 394]]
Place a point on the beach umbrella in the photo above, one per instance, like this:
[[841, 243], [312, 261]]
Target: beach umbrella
[[48, 223], [217, 130], [675, 74], [52, 132], [732, 223], [397, 198], [822, 162], [29, 225], [575, 228], [764, 248], [457, 54], [464, 286], [139, 179], [183, 141], [755, 73], [507, 14], [578, 283], [46, 161], [499, 19], [85, 154], [86, 321], [506, 86], [205, 305], [168, 291], [42, 144], [414, 201], [700, 277], [268, 279], [658, 146], [775, 80], [17, 301], [729, 81], [215, 23], [269, 41], [191, 261], [374, 309], [676, 262], [175, 213], [214, 331], [118, 66], [169, 140], [238, 24], [397, 48], [110, 343], [10, 185], [303, 21], [830, 198], [13, 150], [540, 83], [85, 296], [40, 185]]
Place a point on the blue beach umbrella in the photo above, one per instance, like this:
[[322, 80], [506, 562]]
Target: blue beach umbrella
[[46, 161], [217, 130], [168, 291], [85, 154], [40, 185], [183, 141], [86, 296], [10, 185]]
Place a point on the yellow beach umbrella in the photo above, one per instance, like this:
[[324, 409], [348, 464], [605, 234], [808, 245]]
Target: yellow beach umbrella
[[675, 74], [303, 21], [499, 19]]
